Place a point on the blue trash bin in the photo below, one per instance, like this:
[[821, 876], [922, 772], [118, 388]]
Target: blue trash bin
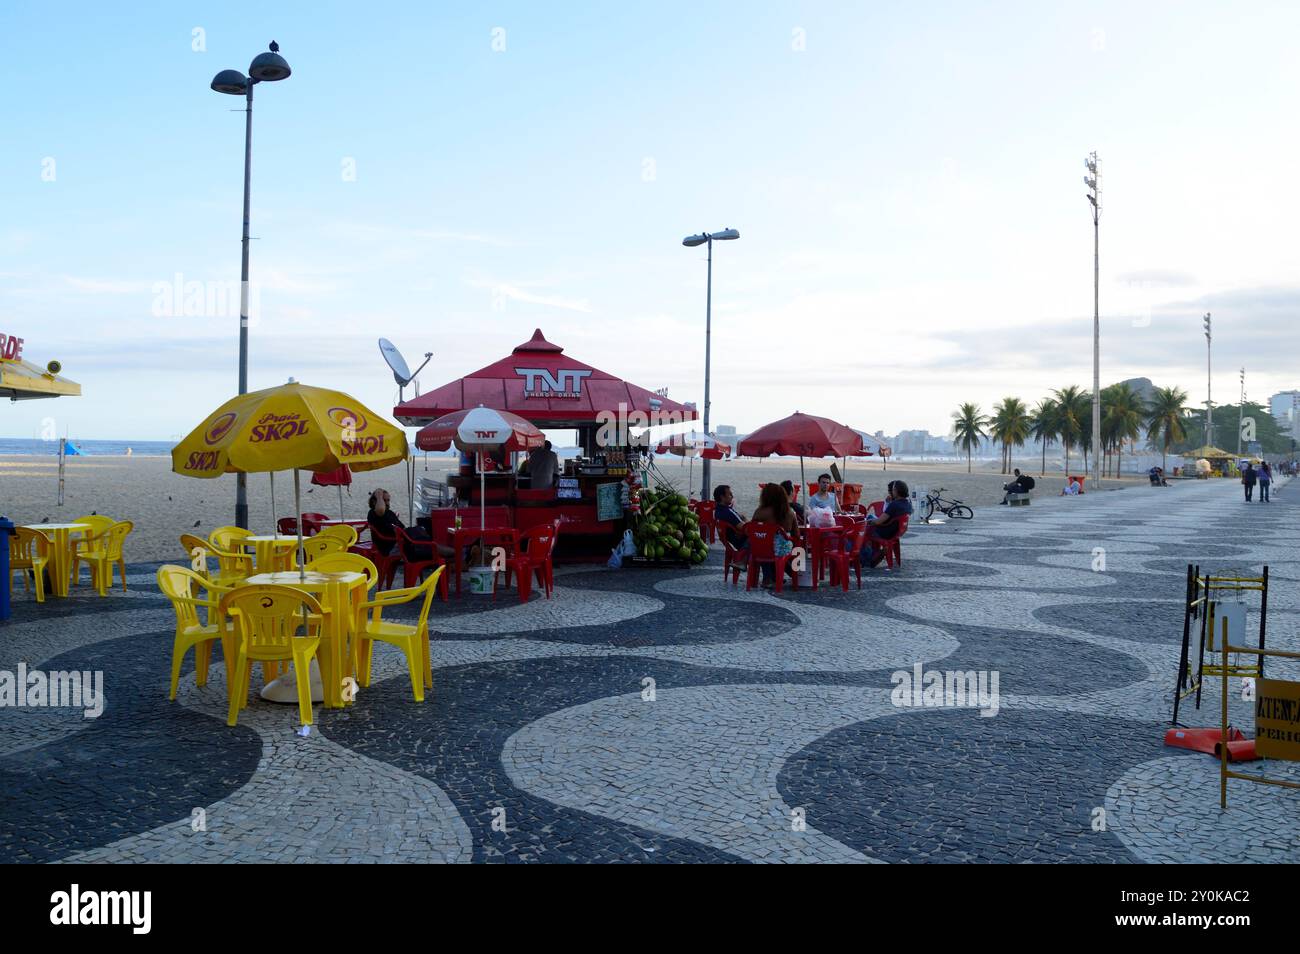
[[6, 529]]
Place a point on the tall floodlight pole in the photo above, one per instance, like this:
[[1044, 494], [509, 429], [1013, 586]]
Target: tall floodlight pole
[[1093, 181], [691, 241], [1241, 410], [1209, 406], [266, 67]]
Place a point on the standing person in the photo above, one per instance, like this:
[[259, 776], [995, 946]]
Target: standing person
[[1265, 479], [1248, 479], [543, 468]]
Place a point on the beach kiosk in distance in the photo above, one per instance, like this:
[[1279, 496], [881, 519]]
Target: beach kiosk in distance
[[553, 391], [21, 380]]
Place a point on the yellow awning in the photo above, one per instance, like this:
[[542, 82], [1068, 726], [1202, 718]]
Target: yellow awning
[[23, 381]]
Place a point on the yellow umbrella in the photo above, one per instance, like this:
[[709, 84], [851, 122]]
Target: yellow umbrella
[[289, 427]]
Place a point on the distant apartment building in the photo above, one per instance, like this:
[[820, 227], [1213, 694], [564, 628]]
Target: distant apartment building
[[725, 430], [919, 442], [1285, 408]]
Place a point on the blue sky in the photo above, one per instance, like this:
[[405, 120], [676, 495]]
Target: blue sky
[[908, 183]]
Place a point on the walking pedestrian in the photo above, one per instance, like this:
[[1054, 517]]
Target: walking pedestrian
[[1248, 479], [1265, 479]]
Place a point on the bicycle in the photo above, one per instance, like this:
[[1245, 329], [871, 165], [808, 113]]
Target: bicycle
[[949, 508]]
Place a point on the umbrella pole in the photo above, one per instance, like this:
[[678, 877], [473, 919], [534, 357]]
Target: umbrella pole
[[482, 510], [275, 526], [341, 515], [803, 481], [302, 553]]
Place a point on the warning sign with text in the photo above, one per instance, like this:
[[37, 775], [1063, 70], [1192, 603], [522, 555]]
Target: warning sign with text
[[1277, 719]]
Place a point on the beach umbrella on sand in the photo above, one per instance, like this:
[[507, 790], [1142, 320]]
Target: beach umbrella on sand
[[290, 427], [340, 478], [480, 430], [694, 445], [802, 435]]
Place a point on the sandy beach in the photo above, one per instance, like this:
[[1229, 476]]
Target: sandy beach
[[163, 504]]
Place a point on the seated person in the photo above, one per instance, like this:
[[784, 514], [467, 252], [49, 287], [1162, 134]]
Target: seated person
[[898, 504], [724, 511], [1071, 489], [384, 519], [774, 507], [1020, 484], [823, 499], [788, 487]]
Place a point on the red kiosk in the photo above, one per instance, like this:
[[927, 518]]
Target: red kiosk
[[554, 391]]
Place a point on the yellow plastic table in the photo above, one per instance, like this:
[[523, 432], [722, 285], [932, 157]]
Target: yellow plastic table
[[340, 593], [267, 548], [60, 566]]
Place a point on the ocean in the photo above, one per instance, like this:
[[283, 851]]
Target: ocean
[[29, 447]]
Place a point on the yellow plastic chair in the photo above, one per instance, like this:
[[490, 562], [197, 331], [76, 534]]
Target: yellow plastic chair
[[228, 538], [29, 550], [103, 558], [350, 563], [182, 586], [409, 639], [267, 620], [322, 545], [232, 568], [345, 533], [93, 539]]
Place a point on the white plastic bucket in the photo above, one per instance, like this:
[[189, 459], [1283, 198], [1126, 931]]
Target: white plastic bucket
[[481, 579]]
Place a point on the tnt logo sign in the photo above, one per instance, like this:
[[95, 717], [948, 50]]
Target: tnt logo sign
[[498, 559], [540, 382]]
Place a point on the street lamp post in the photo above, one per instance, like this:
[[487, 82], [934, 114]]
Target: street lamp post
[[691, 241], [1241, 411], [1209, 405], [1093, 181], [266, 67]]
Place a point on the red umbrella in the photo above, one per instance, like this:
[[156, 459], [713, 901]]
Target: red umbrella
[[802, 435], [480, 429], [340, 478]]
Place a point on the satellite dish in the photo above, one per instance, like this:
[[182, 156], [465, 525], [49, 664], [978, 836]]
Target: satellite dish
[[401, 372]]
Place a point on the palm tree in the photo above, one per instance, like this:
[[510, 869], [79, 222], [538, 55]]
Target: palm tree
[[1044, 427], [1121, 419], [1013, 426], [1164, 419], [968, 424], [1075, 405]]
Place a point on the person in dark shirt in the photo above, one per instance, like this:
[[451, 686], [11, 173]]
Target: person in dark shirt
[[788, 487], [725, 511], [885, 527], [382, 519]]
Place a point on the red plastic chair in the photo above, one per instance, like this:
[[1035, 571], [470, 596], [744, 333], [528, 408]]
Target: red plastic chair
[[762, 549], [287, 525], [876, 506], [842, 558], [386, 563], [704, 509], [734, 559], [413, 569], [893, 552], [311, 523], [534, 558]]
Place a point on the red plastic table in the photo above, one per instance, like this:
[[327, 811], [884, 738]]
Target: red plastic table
[[819, 538], [460, 538]]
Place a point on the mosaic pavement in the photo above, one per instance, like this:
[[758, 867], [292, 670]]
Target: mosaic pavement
[[667, 716]]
